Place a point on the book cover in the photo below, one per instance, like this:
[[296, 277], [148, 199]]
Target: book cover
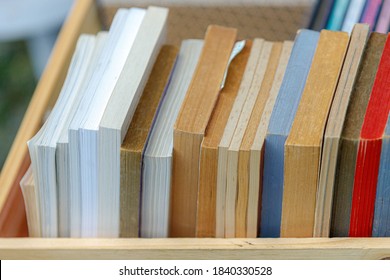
[[303, 145]]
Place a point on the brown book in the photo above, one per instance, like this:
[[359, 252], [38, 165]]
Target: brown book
[[302, 151], [247, 141], [191, 124], [334, 129], [135, 140], [205, 222], [349, 142]]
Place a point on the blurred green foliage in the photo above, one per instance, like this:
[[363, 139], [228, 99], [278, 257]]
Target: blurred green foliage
[[17, 84]]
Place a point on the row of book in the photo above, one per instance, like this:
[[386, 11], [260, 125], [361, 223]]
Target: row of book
[[220, 138], [344, 14]]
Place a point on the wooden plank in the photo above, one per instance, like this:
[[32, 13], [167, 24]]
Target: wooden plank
[[83, 19], [201, 248]]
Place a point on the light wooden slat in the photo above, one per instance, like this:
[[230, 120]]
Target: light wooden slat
[[201, 248]]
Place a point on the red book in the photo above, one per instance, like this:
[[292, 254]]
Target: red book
[[367, 162]]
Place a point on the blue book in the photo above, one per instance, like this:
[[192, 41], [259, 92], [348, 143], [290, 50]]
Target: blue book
[[337, 15], [279, 127], [320, 15], [381, 224]]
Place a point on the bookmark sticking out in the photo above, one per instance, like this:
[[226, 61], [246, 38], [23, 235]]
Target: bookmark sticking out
[[238, 47]]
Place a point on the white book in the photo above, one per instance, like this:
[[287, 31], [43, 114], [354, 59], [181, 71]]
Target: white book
[[354, 12], [118, 114], [157, 158], [62, 149], [82, 152], [42, 146]]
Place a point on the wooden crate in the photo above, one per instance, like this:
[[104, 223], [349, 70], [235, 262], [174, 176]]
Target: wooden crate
[[253, 19]]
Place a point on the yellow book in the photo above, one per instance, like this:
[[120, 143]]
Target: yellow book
[[135, 140], [303, 146], [206, 210]]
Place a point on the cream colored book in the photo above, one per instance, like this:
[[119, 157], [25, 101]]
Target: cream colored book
[[228, 133], [234, 147], [269, 86], [303, 145], [31, 203], [251, 150], [334, 127]]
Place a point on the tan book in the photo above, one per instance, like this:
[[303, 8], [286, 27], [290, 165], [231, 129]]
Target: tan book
[[256, 163], [31, 203], [234, 147], [334, 127], [343, 187], [205, 222], [228, 133], [303, 145], [250, 155], [135, 140], [191, 124]]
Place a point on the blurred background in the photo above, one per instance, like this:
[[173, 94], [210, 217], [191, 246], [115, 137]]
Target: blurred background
[[28, 29], [17, 83]]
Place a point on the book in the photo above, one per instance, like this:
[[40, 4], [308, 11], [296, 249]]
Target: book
[[109, 128], [208, 168], [334, 127], [243, 140], [157, 158], [228, 133], [343, 186], [282, 117], [321, 15], [251, 150], [303, 145], [191, 124], [83, 177], [232, 178], [369, 150], [381, 225], [371, 12], [134, 143], [31, 203], [354, 12], [62, 149], [383, 22], [337, 15], [42, 146]]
